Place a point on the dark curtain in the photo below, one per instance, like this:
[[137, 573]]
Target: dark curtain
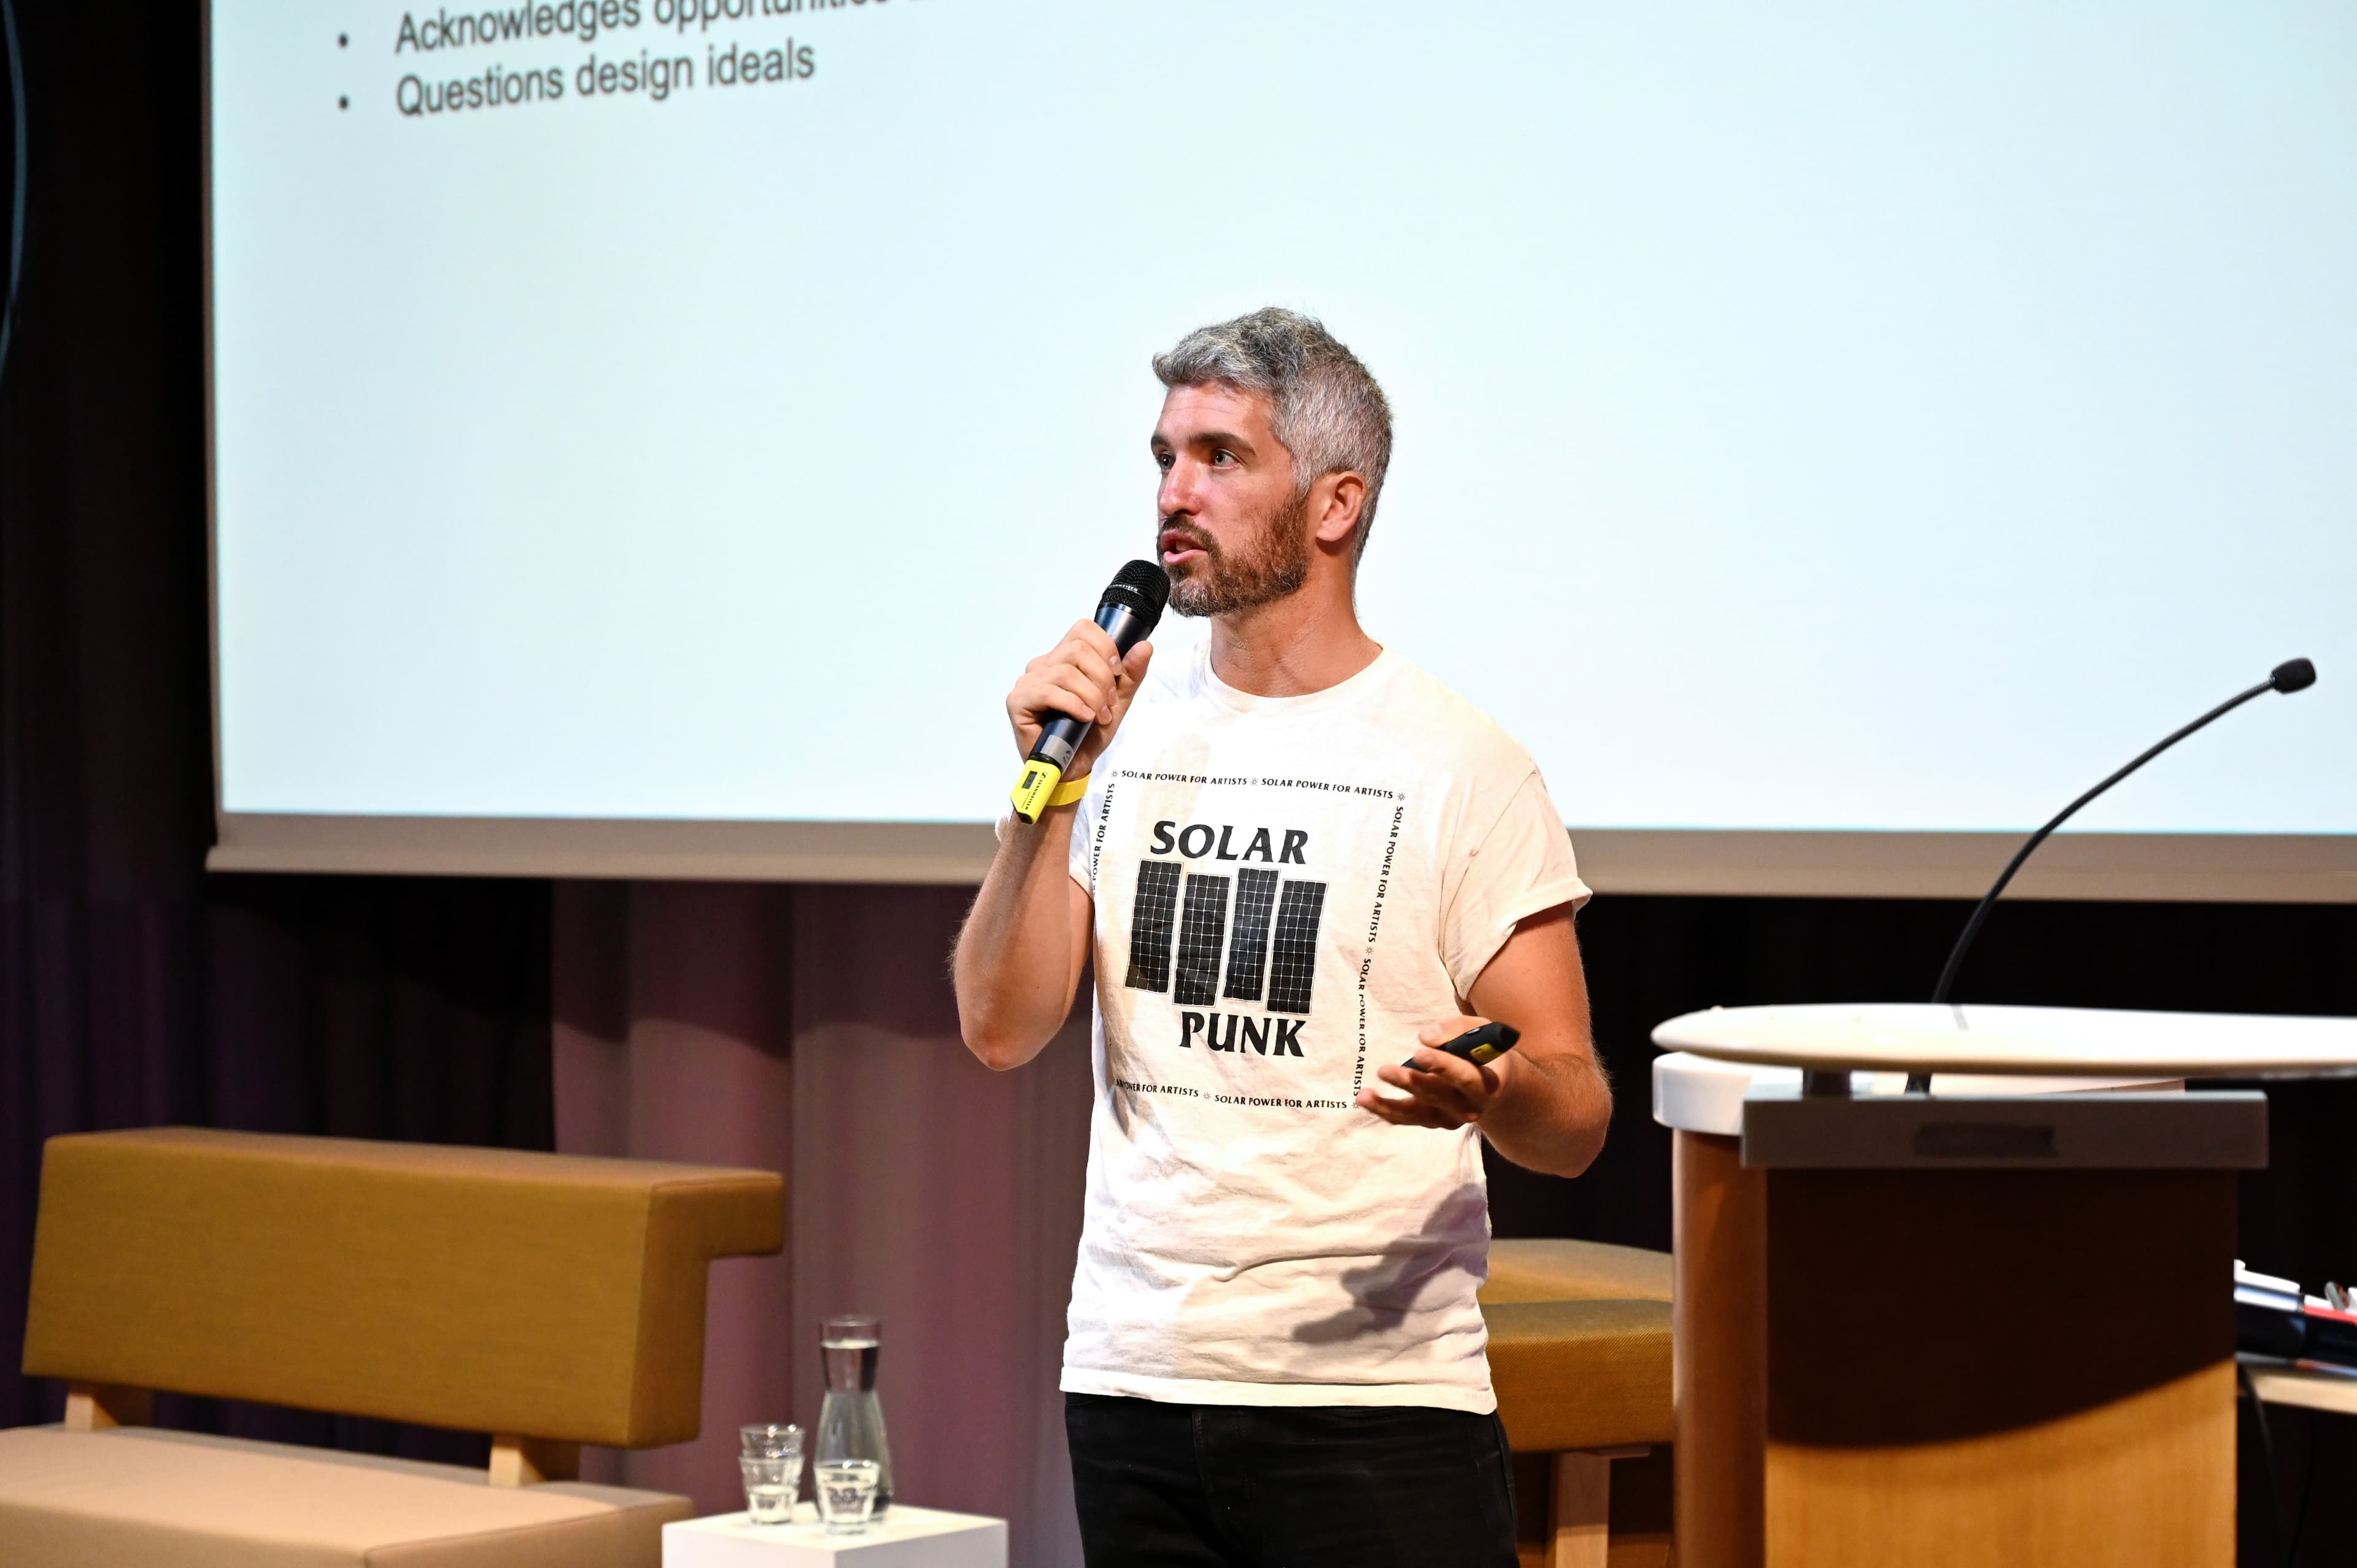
[[135, 989]]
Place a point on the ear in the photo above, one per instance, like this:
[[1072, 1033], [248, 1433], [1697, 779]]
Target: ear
[[1335, 503]]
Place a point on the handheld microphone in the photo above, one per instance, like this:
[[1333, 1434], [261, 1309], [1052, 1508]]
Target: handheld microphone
[[1128, 612], [2291, 675]]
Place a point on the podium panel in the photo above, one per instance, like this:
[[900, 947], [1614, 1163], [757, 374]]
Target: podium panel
[[1718, 1352], [1952, 1368]]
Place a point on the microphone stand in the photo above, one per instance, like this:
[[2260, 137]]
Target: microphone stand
[[2292, 675]]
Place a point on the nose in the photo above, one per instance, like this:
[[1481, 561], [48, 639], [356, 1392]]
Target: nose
[[1180, 490]]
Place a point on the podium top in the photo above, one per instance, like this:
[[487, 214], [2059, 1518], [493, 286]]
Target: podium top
[[1697, 1094], [1921, 1036]]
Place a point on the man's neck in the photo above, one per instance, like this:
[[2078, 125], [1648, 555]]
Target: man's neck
[[1302, 643]]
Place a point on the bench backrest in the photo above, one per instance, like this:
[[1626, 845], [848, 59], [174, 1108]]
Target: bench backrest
[[488, 1290]]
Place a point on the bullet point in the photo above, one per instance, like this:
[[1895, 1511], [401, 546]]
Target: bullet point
[[343, 40], [343, 103]]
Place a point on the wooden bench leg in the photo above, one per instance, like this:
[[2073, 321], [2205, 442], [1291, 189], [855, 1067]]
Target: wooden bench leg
[[1579, 1506], [528, 1461], [93, 1407]]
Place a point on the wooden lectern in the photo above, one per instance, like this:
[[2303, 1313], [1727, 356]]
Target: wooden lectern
[[1990, 1325]]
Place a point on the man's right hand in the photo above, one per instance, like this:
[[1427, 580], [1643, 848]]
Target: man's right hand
[[1081, 677]]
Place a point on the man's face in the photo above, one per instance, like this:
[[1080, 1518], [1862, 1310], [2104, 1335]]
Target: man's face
[[1232, 526]]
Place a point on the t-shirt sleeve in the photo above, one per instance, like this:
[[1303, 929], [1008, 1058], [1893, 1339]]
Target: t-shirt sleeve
[[1522, 866]]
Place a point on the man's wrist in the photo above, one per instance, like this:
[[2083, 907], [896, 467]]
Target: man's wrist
[[1050, 817], [1514, 1096]]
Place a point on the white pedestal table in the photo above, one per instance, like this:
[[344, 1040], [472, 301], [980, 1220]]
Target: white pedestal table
[[905, 1538]]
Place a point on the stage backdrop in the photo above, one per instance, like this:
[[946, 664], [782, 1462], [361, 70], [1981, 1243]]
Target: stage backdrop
[[805, 1028]]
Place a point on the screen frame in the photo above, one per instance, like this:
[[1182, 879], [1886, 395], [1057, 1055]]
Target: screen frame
[[2142, 867], [2318, 868]]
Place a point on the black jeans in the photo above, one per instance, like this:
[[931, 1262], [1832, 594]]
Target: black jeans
[[1186, 1486]]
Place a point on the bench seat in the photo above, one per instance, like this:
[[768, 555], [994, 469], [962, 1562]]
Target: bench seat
[[129, 1496], [544, 1300]]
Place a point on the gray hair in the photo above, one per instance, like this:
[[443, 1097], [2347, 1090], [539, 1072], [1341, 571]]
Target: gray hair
[[1328, 413]]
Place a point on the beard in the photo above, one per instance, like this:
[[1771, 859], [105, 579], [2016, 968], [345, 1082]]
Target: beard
[[1271, 565]]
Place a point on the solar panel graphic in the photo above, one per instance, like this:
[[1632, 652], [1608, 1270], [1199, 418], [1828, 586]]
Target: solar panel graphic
[[1248, 938], [1150, 919], [1272, 945], [1202, 931], [1293, 956]]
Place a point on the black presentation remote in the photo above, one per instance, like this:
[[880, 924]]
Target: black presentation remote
[[1486, 1044]]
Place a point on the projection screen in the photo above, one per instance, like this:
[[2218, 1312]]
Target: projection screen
[[649, 435]]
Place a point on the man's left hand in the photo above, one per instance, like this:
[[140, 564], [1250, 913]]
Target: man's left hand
[[1443, 1091]]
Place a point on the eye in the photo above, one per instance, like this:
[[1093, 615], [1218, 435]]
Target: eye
[[1222, 458], [1163, 460]]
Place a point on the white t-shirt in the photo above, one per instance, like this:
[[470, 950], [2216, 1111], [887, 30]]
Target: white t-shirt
[[1287, 889]]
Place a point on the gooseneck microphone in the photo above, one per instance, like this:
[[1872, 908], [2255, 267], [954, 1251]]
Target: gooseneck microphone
[[2291, 675], [1128, 612]]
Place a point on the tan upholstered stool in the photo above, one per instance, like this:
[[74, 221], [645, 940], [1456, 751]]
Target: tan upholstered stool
[[1579, 1353]]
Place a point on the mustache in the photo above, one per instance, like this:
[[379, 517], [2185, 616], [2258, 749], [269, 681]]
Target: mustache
[[1187, 537]]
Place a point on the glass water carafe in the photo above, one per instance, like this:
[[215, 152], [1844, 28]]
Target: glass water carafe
[[851, 1422]]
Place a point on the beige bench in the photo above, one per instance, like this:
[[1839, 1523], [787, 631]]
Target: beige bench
[[551, 1301], [1579, 1355]]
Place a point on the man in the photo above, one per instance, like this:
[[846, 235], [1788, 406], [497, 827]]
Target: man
[[1298, 862]]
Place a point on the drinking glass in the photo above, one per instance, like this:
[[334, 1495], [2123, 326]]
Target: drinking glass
[[769, 1495], [770, 1440], [768, 1487], [847, 1494]]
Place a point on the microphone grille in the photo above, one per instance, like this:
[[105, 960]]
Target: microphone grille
[[2295, 675], [1144, 586]]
